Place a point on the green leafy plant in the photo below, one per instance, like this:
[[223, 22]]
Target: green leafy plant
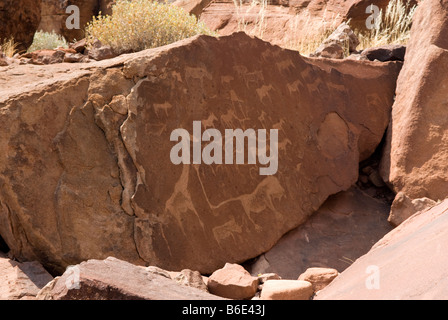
[[142, 24]]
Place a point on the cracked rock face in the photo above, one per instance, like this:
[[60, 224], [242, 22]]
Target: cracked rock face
[[85, 168], [415, 159]]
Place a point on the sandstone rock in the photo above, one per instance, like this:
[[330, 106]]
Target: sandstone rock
[[356, 56], [106, 6], [114, 279], [54, 16], [285, 22], [21, 281], [262, 278], [415, 159], [286, 290], [408, 263], [158, 271], [376, 180], [392, 52], [319, 277], [356, 10], [403, 207], [330, 50], [3, 60], [101, 53], [45, 56], [90, 147], [191, 278], [79, 46], [193, 7], [45, 292], [74, 57], [343, 229], [232, 282], [281, 24], [341, 40], [19, 19]]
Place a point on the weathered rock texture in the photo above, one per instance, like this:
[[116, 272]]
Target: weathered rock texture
[[233, 282], [85, 168], [193, 6], [342, 40], [21, 281], [403, 207], [319, 277], [391, 52], [54, 15], [286, 22], [19, 19], [279, 24], [345, 227], [286, 290], [408, 263], [415, 159], [113, 279]]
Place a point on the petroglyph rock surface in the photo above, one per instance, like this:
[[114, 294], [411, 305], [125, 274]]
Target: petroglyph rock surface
[[85, 168]]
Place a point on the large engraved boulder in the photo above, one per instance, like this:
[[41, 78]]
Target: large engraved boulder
[[86, 166]]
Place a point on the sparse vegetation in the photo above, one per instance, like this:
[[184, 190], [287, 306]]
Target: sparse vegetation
[[253, 28], [394, 25], [9, 47], [311, 33], [47, 40], [142, 24]]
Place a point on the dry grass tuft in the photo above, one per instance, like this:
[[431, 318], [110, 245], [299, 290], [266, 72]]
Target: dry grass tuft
[[9, 47], [306, 33], [394, 26]]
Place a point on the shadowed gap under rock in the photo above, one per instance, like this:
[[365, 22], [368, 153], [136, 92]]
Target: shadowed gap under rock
[[344, 228]]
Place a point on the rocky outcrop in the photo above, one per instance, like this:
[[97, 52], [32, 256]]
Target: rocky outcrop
[[114, 279], [19, 19], [408, 263], [54, 15], [233, 282], [415, 159], [286, 290], [403, 207], [319, 277], [392, 52], [341, 41], [344, 228], [281, 24], [85, 169], [21, 281], [193, 7], [288, 22]]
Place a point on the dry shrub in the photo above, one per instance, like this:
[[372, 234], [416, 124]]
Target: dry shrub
[[142, 24], [47, 40]]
